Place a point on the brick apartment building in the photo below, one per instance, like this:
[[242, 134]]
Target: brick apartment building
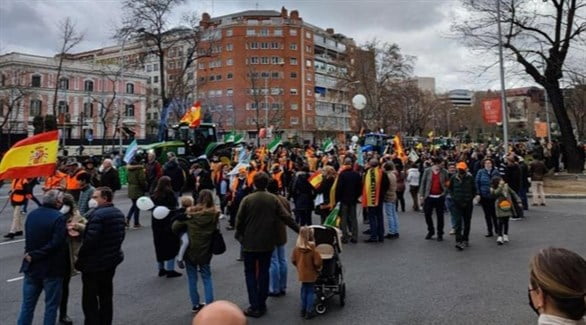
[[86, 93]]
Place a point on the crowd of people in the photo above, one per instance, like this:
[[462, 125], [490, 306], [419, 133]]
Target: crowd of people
[[78, 229]]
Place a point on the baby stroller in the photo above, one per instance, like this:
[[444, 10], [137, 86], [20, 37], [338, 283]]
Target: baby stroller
[[330, 281]]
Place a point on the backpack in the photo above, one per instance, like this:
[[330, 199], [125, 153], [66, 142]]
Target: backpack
[[504, 204]]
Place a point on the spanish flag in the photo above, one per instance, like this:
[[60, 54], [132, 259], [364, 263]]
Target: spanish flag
[[316, 179], [399, 148], [32, 157], [193, 116]]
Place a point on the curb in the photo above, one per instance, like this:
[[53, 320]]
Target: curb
[[562, 196]]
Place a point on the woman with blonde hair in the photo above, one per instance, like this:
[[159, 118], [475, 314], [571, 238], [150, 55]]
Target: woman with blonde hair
[[557, 287]]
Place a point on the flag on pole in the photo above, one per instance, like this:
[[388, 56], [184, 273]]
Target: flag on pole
[[274, 144], [316, 179], [328, 145], [333, 220], [193, 116], [130, 152], [398, 144], [244, 156], [229, 137], [32, 157]]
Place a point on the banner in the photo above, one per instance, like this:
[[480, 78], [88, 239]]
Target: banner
[[540, 129], [491, 111]]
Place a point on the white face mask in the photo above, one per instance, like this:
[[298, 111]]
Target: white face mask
[[65, 209], [92, 203]]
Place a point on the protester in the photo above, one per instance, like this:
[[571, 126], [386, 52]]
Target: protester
[[175, 173], [109, 176], [57, 181], [413, 181], [432, 193], [20, 191], [44, 263], [400, 177], [557, 286], [324, 189], [505, 199], [487, 201], [99, 255], [153, 171], [73, 170], [220, 312], [136, 188], [375, 186], [308, 263], [200, 225], [449, 202], [75, 226], [166, 242], [525, 183], [85, 194], [303, 194], [537, 171], [348, 190], [89, 167], [391, 200], [462, 190], [257, 231], [239, 189]]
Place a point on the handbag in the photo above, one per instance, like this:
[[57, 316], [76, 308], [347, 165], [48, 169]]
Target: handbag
[[218, 245]]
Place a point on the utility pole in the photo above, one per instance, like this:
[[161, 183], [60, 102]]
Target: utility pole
[[502, 76]]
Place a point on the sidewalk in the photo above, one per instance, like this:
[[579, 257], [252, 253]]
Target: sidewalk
[[565, 186]]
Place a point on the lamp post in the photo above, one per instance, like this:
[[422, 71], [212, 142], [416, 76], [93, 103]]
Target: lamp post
[[502, 77]]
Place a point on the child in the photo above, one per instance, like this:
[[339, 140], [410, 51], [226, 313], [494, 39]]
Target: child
[[186, 202], [505, 199], [308, 263]]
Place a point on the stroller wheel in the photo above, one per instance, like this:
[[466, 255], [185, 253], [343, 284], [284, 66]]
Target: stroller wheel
[[343, 294], [321, 309]]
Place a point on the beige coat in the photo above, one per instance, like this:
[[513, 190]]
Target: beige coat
[[391, 194]]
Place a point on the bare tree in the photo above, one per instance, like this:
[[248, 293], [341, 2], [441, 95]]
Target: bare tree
[[539, 40], [576, 103], [70, 38], [413, 108]]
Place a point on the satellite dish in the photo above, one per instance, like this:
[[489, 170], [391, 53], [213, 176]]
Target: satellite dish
[[359, 102]]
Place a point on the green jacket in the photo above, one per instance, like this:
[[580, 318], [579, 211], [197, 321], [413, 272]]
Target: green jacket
[[200, 224], [504, 192], [462, 189], [258, 222], [136, 181]]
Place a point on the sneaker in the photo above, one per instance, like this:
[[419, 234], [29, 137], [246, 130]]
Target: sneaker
[[173, 274], [371, 240], [516, 219], [460, 246], [253, 313], [499, 240], [18, 233], [222, 216], [181, 264], [162, 272], [9, 235], [197, 308], [453, 231], [137, 226], [65, 320], [429, 235], [506, 238]]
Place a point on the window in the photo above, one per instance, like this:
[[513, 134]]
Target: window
[[229, 32], [275, 45], [148, 116], [276, 106], [310, 120], [219, 77], [264, 45], [264, 60], [35, 108], [293, 91], [308, 63], [309, 106], [156, 91], [278, 32], [171, 77], [229, 76], [130, 88], [62, 107], [64, 83], [293, 46], [171, 65], [276, 75], [129, 110], [212, 78], [276, 91], [264, 32], [294, 106], [294, 120], [309, 92], [149, 68], [276, 60], [201, 66], [254, 60], [250, 32], [3, 81], [307, 35], [36, 81], [230, 107], [308, 49], [308, 77], [88, 110], [88, 85], [253, 106], [149, 80], [253, 45], [293, 32], [229, 92], [155, 79], [293, 75], [229, 47], [155, 67], [264, 75], [293, 61]]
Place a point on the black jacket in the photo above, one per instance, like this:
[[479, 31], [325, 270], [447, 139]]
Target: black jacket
[[102, 240], [349, 187], [175, 172], [303, 192], [110, 179], [45, 242], [513, 177], [166, 242]]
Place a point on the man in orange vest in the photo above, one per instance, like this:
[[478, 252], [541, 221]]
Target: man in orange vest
[[19, 194], [277, 175], [56, 181], [72, 186]]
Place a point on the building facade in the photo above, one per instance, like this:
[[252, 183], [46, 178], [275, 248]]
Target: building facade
[[93, 101]]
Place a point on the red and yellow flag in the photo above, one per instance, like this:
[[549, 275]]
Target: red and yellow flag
[[399, 148], [32, 157], [316, 179], [193, 116]]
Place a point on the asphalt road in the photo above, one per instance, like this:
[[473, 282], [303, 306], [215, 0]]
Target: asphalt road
[[404, 281]]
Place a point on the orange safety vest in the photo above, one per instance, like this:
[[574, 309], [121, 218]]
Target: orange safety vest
[[18, 196], [56, 181], [279, 178], [71, 181]]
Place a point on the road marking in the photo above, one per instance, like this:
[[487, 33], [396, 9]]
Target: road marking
[[15, 279], [12, 242]]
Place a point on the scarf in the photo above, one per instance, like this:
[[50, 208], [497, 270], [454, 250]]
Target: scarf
[[371, 189]]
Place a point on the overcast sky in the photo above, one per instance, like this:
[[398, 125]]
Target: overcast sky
[[420, 27]]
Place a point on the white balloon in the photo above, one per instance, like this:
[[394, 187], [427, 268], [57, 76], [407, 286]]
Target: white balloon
[[354, 138], [161, 212], [144, 203], [359, 102]]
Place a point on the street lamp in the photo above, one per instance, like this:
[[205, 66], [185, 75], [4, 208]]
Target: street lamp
[[502, 77]]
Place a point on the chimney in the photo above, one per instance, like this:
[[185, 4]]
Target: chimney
[[294, 14], [205, 17], [284, 12], [330, 31]]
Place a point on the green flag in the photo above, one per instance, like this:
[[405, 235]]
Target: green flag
[[229, 137], [238, 138], [328, 145], [274, 144], [333, 219]]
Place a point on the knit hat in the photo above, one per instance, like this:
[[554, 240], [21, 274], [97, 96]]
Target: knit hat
[[461, 165]]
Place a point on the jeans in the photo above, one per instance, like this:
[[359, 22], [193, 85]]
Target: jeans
[[376, 222], [414, 189], [523, 195], [206, 278], [96, 298], [450, 209], [349, 223], [278, 270], [307, 296], [429, 204], [400, 200], [134, 211], [463, 216], [502, 226], [256, 271], [489, 214], [31, 290], [303, 217], [168, 265], [392, 217]]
